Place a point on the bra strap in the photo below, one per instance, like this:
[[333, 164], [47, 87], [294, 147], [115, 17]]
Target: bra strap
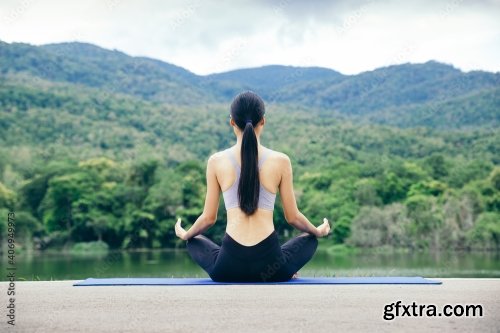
[[233, 160], [263, 159]]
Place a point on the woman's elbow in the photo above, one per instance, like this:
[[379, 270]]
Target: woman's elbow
[[210, 220], [292, 218]]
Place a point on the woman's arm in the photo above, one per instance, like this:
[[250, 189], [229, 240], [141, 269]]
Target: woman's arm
[[292, 214], [209, 215]]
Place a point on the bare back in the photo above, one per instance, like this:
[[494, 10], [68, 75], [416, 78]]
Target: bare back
[[250, 230]]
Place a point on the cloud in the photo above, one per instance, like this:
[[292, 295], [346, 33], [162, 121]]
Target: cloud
[[213, 36]]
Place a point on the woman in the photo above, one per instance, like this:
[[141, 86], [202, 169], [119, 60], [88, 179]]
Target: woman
[[249, 176]]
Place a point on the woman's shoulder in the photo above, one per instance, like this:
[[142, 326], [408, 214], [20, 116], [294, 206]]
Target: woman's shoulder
[[278, 157], [217, 155], [275, 154]]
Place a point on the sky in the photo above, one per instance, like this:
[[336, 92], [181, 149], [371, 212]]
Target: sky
[[350, 36]]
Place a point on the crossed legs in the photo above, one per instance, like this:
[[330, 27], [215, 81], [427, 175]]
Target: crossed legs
[[299, 250], [203, 251], [296, 252]]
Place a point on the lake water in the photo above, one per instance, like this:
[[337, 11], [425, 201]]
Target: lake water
[[177, 263]]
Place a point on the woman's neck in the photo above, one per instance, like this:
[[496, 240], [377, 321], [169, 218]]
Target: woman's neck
[[240, 138]]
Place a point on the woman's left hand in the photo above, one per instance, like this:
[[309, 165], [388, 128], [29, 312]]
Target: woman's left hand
[[179, 231]]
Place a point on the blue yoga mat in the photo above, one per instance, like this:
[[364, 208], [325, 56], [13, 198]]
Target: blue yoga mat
[[300, 280]]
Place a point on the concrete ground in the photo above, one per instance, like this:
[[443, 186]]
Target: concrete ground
[[57, 306]]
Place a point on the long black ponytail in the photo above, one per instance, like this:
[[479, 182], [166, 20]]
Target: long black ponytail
[[247, 109]]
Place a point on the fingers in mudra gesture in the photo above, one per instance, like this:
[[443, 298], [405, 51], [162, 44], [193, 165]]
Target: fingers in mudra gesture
[[179, 230], [324, 229]]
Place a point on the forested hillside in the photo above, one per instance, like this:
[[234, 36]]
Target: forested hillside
[[402, 95], [98, 145]]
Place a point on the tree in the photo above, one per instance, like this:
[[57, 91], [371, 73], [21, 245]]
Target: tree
[[381, 226], [7, 197], [437, 165], [426, 218], [486, 232]]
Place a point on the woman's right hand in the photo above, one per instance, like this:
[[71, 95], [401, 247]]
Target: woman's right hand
[[324, 229]]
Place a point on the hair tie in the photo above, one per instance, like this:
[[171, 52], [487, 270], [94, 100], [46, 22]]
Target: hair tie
[[249, 121]]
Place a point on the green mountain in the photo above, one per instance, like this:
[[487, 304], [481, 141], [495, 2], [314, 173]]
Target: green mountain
[[403, 95], [269, 81], [112, 71]]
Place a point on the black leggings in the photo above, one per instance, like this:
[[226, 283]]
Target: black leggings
[[264, 261]]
